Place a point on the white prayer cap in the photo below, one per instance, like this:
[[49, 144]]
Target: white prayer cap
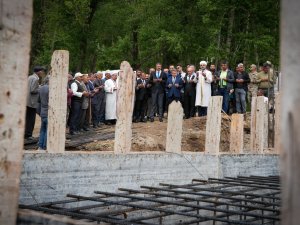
[[78, 75], [203, 63], [99, 72]]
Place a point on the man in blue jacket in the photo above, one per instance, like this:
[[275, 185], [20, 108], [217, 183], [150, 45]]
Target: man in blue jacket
[[174, 85]]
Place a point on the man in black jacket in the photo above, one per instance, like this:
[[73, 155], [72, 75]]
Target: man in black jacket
[[189, 93], [141, 98], [158, 81], [241, 87]]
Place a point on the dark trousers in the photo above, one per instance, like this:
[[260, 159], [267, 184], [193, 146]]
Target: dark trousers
[[101, 112], [157, 100], [140, 109], [84, 119], [95, 114], [202, 111], [189, 105], [75, 115], [30, 121]]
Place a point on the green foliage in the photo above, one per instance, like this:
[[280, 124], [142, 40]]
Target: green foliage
[[101, 33]]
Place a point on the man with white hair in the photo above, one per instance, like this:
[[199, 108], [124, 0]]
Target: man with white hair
[[110, 88], [76, 103], [241, 88], [203, 88]]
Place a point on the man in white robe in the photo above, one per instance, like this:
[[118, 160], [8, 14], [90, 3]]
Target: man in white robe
[[203, 88], [110, 87]]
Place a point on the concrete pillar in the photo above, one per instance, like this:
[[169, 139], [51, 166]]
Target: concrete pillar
[[277, 128], [15, 38], [237, 133], [213, 125], [56, 133], [125, 100], [174, 130], [290, 123], [259, 125]]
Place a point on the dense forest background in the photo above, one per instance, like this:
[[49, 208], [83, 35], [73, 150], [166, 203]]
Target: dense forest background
[[101, 33]]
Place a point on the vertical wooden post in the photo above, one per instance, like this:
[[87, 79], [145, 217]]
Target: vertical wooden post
[[213, 125], [174, 130], [277, 136], [125, 96], [56, 133], [237, 133], [15, 36], [261, 126], [290, 123], [253, 123]]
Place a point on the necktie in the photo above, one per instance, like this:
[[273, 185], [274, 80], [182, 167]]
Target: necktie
[[157, 74]]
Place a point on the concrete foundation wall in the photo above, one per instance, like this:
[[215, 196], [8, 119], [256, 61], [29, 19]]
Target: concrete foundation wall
[[49, 177]]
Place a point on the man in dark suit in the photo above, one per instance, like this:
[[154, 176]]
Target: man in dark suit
[[141, 98], [174, 85], [189, 93], [32, 99], [158, 81]]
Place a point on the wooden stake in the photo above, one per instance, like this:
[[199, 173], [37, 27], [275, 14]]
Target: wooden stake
[[277, 145], [15, 39], [237, 133], [174, 130], [253, 124], [125, 101], [56, 133], [213, 125]]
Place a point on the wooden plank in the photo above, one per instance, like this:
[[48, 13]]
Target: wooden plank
[[290, 108], [174, 130], [261, 134], [125, 100], [277, 136], [15, 39], [253, 124], [237, 133], [213, 125], [56, 133]]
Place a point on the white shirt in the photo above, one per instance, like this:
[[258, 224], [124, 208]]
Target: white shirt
[[74, 88]]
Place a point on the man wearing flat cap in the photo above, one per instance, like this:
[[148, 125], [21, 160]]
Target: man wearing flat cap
[[32, 99], [76, 103]]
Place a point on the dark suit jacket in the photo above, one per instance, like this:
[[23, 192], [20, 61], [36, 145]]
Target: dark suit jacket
[[189, 88], [141, 93], [173, 90], [158, 86]]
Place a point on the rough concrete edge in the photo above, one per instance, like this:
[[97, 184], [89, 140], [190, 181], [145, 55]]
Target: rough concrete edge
[[26, 216]]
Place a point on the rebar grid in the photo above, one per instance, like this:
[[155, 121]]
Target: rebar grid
[[240, 200]]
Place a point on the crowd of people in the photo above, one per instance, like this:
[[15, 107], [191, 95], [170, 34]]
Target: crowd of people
[[92, 98]]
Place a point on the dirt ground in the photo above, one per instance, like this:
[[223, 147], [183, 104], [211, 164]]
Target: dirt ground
[[152, 136]]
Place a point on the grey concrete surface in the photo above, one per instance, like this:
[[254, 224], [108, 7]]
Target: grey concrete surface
[[49, 177]]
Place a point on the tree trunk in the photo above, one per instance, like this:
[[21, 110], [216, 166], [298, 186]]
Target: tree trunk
[[135, 48], [246, 44], [230, 31]]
